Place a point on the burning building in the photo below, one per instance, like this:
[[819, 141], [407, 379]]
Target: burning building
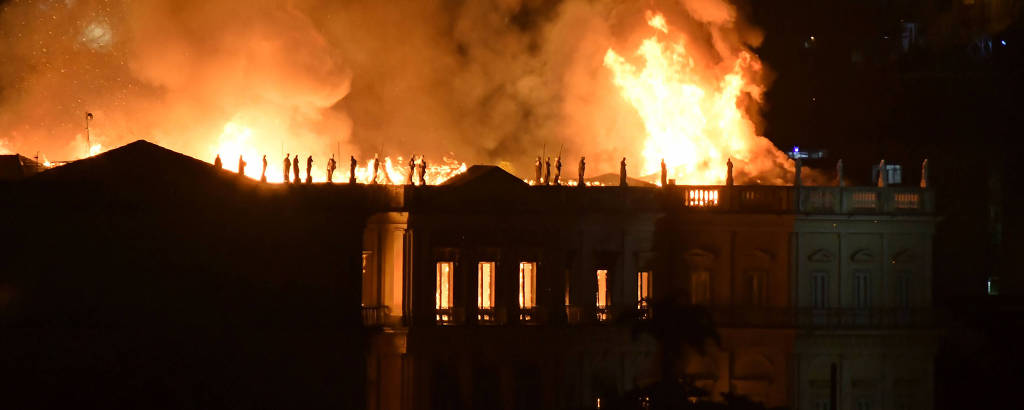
[[481, 292]]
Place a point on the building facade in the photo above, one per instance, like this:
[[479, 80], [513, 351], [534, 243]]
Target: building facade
[[489, 293]]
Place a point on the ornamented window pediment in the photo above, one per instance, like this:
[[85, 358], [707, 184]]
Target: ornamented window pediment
[[698, 257], [904, 257], [821, 256], [862, 256], [762, 256]]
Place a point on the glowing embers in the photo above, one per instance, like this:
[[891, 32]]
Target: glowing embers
[[485, 291], [443, 296], [701, 197], [643, 292], [602, 295], [527, 290]]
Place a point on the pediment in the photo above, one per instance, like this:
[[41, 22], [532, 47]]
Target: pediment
[[761, 255], [904, 256], [821, 256], [862, 256], [697, 256]]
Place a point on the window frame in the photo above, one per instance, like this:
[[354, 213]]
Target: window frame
[[485, 311], [443, 307]]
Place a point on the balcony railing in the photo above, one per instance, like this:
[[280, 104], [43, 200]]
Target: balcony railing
[[375, 315], [823, 318], [805, 199]]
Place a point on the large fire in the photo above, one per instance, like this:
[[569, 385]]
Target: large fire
[[692, 118], [238, 140]]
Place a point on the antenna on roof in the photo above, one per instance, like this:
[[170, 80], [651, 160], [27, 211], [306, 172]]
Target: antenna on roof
[[88, 138]]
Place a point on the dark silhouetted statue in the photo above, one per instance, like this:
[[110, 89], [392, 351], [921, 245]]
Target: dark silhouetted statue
[[263, 174], [622, 172], [241, 165], [217, 162], [331, 166], [376, 167], [538, 172], [728, 172], [287, 166], [423, 171], [664, 173], [309, 170], [582, 171], [547, 171], [295, 169], [558, 170], [352, 169]]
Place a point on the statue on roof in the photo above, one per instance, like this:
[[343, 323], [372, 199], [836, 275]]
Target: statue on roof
[[309, 170], [287, 166], [352, 169], [376, 168], [547, 171], [423, 171], [582, 171], [664, 173], [558, 169], [263, 174], [295, 169], [728, 172], [241, 165], [622, 172], [331, 166], [217, 162], [537, 166]]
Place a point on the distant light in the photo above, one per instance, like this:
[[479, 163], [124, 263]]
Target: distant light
[[796, 149], [1003, 42], [812, 38]]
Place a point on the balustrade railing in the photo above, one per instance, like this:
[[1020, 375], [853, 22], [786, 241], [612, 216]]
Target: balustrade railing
[[805, 199]]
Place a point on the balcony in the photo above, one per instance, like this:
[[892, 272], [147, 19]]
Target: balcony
[[805, 199], [808, 318]]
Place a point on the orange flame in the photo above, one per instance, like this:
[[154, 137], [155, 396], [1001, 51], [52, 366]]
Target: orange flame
[[692, 118]]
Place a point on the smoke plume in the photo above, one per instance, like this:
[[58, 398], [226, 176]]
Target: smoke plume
[[499, 81]]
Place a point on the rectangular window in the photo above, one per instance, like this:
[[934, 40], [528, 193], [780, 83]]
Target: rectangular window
[[700, 287], [485, 290], [444, 293], [819, 290], [756, 288], [602, 294], [527, 289], [860, 290], [643, 288]]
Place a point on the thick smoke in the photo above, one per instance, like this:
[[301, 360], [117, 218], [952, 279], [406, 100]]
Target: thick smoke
[[486, 81]]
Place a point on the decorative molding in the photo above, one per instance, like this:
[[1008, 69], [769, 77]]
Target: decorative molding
[[762, 254], [699, 257], [905, 256], [862, 256], [821, 256]]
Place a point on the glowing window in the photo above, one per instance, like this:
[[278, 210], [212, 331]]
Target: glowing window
[[602, 289], [527, 285], [485, 285], [443, 296], [643, 287], [700, 287]]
